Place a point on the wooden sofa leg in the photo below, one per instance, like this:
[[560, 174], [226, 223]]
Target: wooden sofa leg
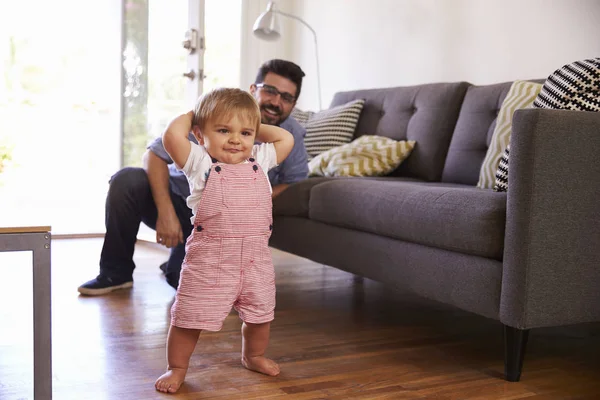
[[515, 342]]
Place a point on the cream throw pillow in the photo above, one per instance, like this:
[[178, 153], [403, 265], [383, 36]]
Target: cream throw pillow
[[368, 155], [521, 95]]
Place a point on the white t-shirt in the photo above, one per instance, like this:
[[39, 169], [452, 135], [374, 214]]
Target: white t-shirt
[[199, 162]]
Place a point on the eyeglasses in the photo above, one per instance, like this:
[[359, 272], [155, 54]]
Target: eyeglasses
[[272, 91]]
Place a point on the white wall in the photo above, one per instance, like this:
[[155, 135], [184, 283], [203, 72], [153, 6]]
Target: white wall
[[382, 43]]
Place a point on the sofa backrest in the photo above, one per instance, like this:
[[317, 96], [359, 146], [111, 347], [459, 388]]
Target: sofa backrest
[[424, 113], [473, 132]]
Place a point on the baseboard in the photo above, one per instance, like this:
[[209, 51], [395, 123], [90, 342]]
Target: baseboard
[[77, 236], [145, 234], [143, 238]]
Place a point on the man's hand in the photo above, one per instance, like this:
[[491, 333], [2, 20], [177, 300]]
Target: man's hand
[[277, 189], [168, 229]]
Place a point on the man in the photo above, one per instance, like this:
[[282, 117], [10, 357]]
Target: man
[[156, 194]]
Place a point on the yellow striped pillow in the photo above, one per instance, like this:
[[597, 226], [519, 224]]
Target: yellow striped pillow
[[521, 95], [368, 155]]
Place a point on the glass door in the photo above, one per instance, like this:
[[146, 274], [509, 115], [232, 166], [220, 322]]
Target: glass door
[[180, 62], [81, 97], [162, 64], [59, 111]]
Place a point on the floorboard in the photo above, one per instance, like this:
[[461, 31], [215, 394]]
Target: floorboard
[[335, 337]]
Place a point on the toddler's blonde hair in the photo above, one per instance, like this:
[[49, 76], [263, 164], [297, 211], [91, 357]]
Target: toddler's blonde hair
[[225, 103]]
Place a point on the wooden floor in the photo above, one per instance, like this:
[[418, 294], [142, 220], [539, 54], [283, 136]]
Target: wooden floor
[[334, 338]]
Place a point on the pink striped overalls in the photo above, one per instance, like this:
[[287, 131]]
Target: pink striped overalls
[[228, 261]]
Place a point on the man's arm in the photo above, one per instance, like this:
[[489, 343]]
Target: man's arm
[[158, 175], [168, 228]]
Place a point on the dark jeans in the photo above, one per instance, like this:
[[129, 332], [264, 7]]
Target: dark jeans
[[129, 202]]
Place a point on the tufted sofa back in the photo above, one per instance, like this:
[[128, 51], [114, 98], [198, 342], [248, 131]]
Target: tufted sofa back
[[452, 123], [473, 132], [424, 113]]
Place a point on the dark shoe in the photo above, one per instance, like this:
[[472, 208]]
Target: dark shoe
[[173, 282], [163, 267], [102, 285]]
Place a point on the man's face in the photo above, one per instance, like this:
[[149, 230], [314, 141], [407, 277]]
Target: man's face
[[276, 97]]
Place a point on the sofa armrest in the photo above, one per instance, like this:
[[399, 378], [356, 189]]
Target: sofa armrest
[[551, 267]]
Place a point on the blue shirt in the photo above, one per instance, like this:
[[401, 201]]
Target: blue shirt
[[293, 169]]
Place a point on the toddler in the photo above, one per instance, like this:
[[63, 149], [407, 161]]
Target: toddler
[[228, 261]]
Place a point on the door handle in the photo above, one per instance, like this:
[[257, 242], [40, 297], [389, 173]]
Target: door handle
[[191, 75]]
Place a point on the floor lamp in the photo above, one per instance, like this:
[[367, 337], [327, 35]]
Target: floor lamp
[[266, 27]]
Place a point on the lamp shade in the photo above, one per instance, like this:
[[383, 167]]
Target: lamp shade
[[266, 26]]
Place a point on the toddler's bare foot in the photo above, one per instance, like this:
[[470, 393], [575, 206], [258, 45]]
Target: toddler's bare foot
[[261, 364], [170, 381]]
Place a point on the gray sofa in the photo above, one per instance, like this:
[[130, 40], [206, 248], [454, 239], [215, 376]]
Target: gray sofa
[[529, 258]]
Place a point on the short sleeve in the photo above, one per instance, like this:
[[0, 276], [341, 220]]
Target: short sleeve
[[159, 150], [265, 155], [156, 146], [295, 167], [194, 161]]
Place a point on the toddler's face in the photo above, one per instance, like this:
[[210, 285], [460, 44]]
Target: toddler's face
[[229, 140]]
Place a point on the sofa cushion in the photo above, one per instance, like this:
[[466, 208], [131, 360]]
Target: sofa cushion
[[293, 202], [447, 216], [425, 113]]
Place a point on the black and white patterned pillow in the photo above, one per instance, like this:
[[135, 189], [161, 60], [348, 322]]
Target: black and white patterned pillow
[[585, 102], [568, 81], [502, 172], [329, 128], [302, 116], [575, 86]]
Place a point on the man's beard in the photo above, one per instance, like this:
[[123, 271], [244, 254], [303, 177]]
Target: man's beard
[[271, 119]]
